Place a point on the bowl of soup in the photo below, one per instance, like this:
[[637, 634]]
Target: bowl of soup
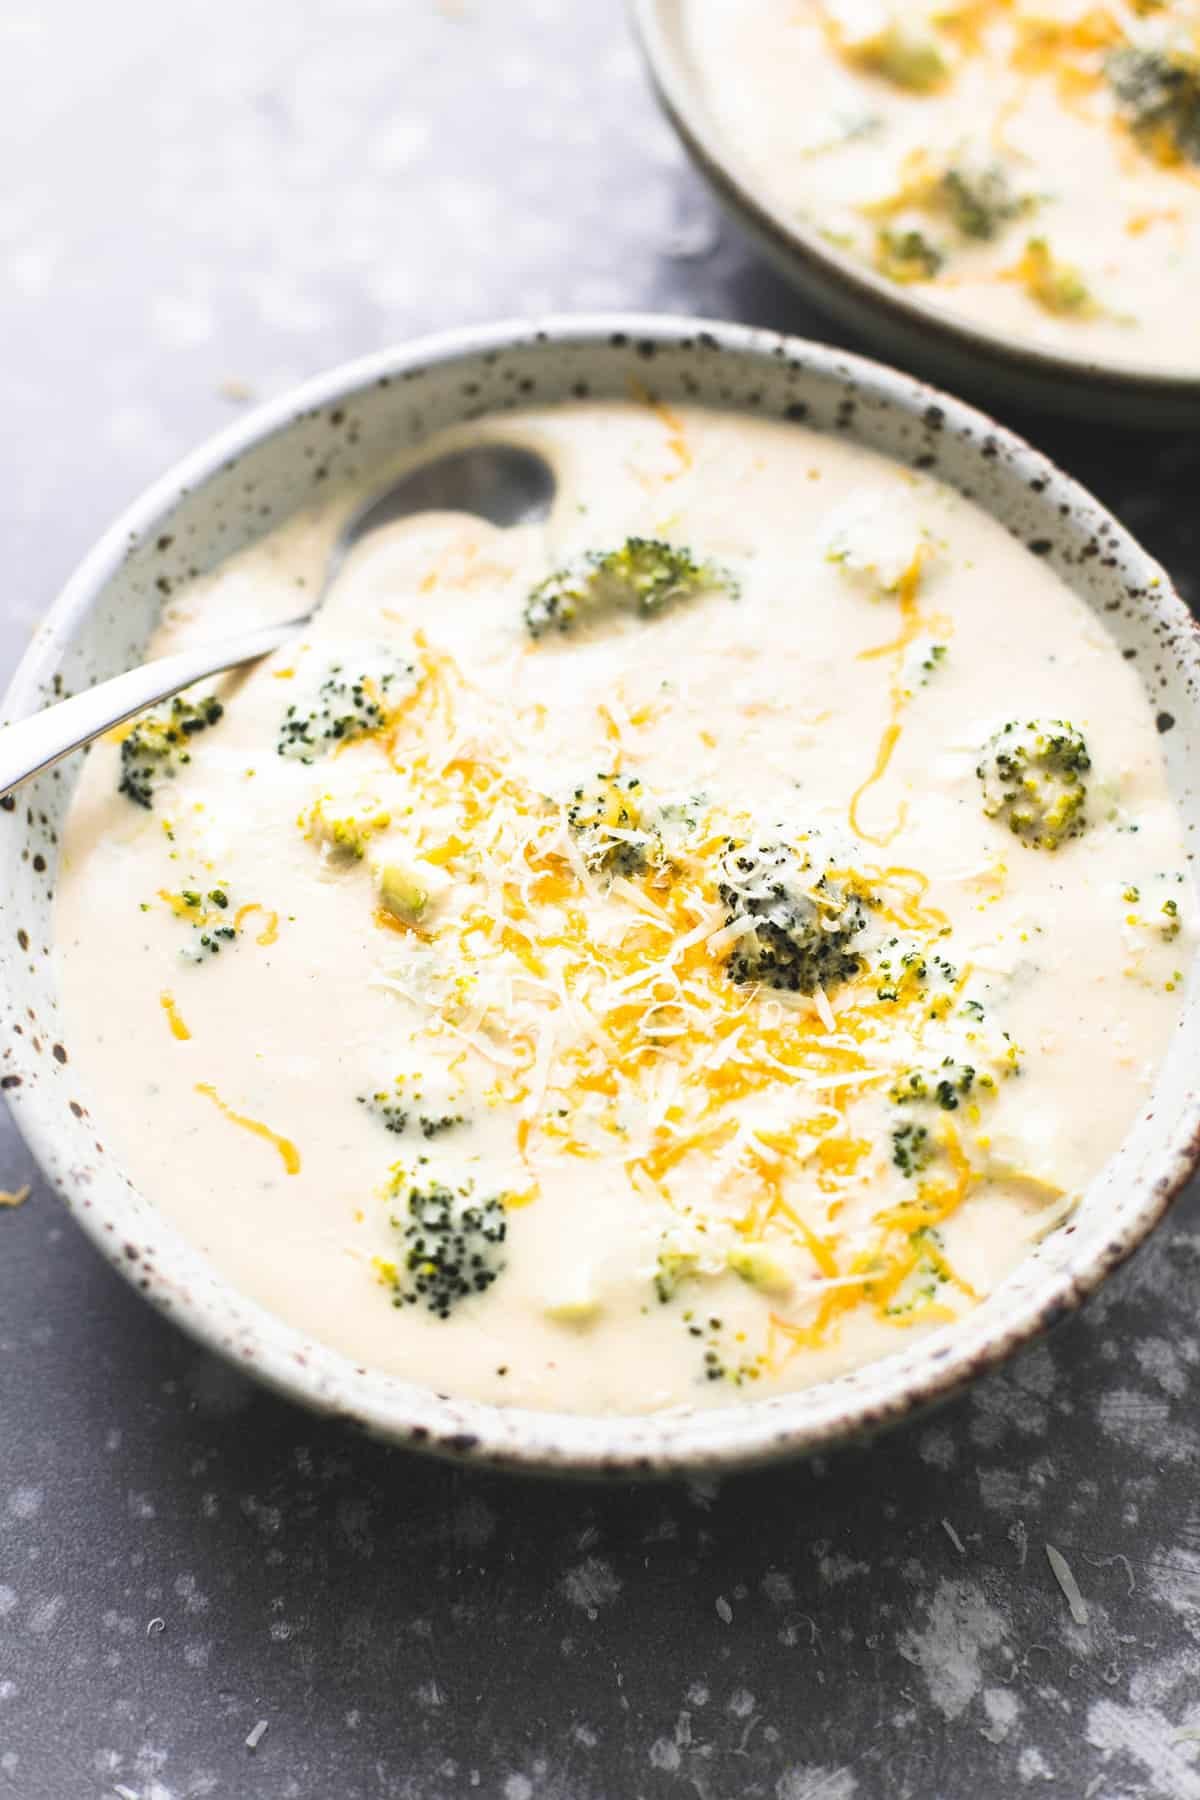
[[676, 984], [1006, 192]]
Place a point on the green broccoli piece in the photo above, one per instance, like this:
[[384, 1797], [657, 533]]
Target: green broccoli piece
[[410, 891], [803, 922], [207, 914], [902, 53], [674, 1268], [912, 1149], [395, 1107], [980, 202], [923, 1283], [645, 576], [1057, 287], [160, 744], [943, 1087], [433, 1124], [385, 1106], [614, 819], [756, 1266], [453, 1247], [906, 969], [347, 707], [1033, 779], [343, 835], [211, 939], [1159, 92], [907, 256]]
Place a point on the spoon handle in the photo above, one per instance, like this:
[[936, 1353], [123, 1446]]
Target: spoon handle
[[37, 743]]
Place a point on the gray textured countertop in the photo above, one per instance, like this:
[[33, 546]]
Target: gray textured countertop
[[203, 200]]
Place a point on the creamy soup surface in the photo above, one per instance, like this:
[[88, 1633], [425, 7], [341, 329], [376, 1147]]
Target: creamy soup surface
[[1033, 165], [595, 974]]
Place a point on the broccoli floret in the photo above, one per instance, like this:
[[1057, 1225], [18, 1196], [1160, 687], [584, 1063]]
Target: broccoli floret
[[347, 707], [759, 1269], [609, 817], [943, 1087], [718, 1364], [1159, 92], [344, 835], [433, 1124], [208, 916], [803, 921], [674, 1268], [903, 970], [410, 892], [1162, 918], [907, 256], [921, 662], [395, 1107], [912, 1150], [976, 200], [453, 1247], [644, 576], [1034, 782], [210, 941], [159, 745], [901, 53], [921, 1287], [386, 1107], [1057, 287], [980, 202], [952, 1080], [878, 541]]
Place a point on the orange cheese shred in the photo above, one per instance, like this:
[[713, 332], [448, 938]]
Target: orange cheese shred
[[270, 931], [287, 1150], [174, 1017]]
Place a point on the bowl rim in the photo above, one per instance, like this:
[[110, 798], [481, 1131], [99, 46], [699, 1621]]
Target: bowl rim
[[902, 308], [722, 1439]]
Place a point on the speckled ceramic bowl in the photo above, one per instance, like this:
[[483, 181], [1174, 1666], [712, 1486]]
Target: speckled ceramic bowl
[[896, 320], [241, 484]]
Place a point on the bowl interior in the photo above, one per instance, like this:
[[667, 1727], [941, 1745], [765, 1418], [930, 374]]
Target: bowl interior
[[927, 335], [340, 427]]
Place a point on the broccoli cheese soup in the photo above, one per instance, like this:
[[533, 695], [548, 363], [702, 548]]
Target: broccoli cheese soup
[[651, 959], [1032, 165]]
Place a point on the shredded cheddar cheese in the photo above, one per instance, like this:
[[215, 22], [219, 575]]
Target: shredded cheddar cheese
[[288, 1153], [623, 1028], [174, 1017]]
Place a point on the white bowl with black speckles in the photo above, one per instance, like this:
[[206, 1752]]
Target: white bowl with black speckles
[[895, 320], [249, 478]]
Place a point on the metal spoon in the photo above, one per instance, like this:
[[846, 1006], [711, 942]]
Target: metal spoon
[[503, 483]]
